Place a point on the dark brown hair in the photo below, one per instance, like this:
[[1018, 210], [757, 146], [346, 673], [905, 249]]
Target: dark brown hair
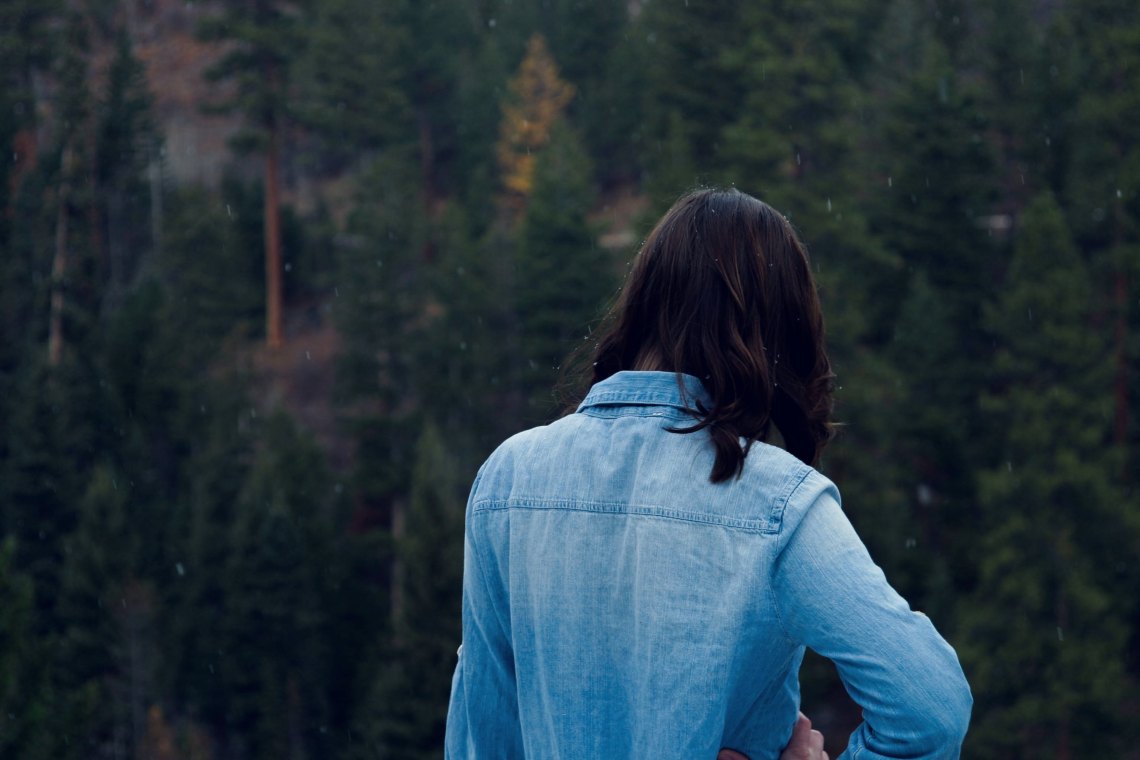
[[722, 290]]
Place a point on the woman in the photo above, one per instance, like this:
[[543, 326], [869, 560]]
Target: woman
[[641, 577]]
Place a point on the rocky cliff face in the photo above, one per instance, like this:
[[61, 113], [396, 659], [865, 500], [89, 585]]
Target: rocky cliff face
[[195, 144]]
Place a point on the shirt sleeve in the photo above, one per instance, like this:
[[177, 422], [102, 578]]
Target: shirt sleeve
[[831, 597], [483, 715]]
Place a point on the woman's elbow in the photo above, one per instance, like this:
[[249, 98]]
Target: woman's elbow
[[948, 716]]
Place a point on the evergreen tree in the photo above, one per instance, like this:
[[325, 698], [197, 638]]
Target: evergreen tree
[[28, 39], [405, 713], [196, 576], [611, 111], [935, 191], [127, 146], [22, 710], [1105, 187], [562, 275], [692, 75], [211, 265], [273, 658], [93, 588], [75, 279], [1044, 633], [442, 44], [353, 77], [265, 37]]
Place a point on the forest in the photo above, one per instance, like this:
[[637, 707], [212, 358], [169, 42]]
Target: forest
[[276, 276]]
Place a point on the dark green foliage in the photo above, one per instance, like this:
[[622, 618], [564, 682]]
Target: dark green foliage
[[1057, 547], [562, 275], [187, 572], [266, 36], [126, 152], [278, 543], [352, 78], [21, 717], [406, 708], [213, 264], [692, 73]]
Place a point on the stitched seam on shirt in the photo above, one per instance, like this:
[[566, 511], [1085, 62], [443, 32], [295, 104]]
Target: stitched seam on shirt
[[779, 535], [618, 508], [481, 559], [636, 410], [776, 516]]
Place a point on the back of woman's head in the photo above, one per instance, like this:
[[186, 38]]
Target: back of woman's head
[[722, 290]]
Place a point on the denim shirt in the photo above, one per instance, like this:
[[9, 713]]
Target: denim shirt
[[616, 604]]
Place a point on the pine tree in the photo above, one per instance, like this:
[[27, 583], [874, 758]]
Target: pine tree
[[21, 706], [1105, 187], [127, 145], [75, 281], [406, 710], [1044, 634], [442, 43], [198, 535], [28, 40], [353, 77], [93, 587], [265, 37], [211, 266], [934, 188], [273, 658], [561, 276], [692, 75]]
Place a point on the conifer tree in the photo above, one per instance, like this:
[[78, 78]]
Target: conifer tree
[[934, 189], [212, 266], [692, 75], [406, 710], [443, 41], [199, 536], [265, 37], [561, 275], [1105, 189], [21, 706], [273, 658], [353, 76], [93, 587], [126, 147], [74, 281], [28, 40], [1044, 633]]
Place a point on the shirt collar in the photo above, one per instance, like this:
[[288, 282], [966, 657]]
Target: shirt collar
[[647, 388]]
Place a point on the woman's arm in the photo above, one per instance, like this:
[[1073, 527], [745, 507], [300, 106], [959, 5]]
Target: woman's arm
[[832, 598], [483, 715]]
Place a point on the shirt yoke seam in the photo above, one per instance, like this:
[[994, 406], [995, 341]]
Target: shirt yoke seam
[[620, 508]]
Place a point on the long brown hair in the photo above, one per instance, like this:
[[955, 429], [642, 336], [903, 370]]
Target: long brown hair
[[722, 290]]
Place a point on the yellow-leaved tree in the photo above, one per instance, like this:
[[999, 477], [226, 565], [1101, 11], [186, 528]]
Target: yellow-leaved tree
[[538, 97]]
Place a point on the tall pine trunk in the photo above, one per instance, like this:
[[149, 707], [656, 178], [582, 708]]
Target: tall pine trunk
[[1120, 302], [59, 261], [274, 285]]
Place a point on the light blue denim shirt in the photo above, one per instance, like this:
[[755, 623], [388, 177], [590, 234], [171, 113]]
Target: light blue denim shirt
[[616, 604]]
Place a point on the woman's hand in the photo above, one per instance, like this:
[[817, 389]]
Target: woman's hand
[[805, 744]]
